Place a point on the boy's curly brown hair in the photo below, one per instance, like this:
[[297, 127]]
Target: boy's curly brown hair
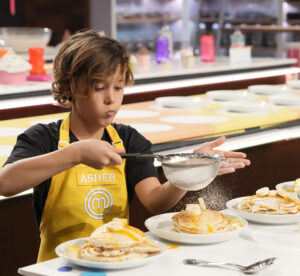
[[84, 60]]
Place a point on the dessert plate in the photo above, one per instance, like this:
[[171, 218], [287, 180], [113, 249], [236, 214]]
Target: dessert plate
[[285, 100], [60, 251], [228, 95], [266, 89], [261, 218], [179, 102], [162, 226]]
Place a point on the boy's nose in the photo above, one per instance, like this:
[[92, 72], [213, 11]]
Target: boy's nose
[[109, 96]]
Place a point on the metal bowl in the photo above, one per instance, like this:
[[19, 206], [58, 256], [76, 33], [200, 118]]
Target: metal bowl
[[22, 38], [191, 172]]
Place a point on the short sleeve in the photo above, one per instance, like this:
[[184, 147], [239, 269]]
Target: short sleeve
[[34, 141]]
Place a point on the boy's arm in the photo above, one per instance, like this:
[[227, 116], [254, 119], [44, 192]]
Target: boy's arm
[[27, 173], [158, 198]]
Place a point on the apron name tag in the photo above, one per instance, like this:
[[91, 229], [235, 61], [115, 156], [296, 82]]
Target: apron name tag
[[93, 179]]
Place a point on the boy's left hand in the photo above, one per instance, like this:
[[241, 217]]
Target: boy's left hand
[[235, 160]]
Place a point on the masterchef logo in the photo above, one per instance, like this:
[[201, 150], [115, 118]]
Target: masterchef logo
[[98, 202]]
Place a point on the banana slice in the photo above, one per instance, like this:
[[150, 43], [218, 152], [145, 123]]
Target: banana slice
[[262, 191], [282, 192], [201, 203], [296, 183], [72, 251], [272, 193], [117, 224], [192, 210]]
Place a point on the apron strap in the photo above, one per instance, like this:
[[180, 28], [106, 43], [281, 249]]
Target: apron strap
[[114, 136]]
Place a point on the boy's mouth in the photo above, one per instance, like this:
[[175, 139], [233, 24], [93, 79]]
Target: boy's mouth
[[110, 113]]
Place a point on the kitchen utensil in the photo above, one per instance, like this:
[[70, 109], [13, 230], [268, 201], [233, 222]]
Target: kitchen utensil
[[188, 171], [250, 269]]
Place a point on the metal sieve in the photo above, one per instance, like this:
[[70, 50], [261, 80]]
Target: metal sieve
[[188, 171]]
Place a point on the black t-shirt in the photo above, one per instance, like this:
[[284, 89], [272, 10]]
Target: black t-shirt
[[43, 138]]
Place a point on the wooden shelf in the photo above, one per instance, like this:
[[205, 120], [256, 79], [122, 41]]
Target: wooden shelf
[[270, 28], [147, 19], [236, 21], [293, 21]]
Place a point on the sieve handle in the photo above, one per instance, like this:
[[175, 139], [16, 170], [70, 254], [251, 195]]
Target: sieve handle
[[139, 155]]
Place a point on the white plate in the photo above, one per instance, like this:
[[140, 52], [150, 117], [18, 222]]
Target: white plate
[[179, 102], [295, 84], [261, 218], [228, 95], [289, 187], [162, 226], [266, 89], [60, 251], [285, 100]]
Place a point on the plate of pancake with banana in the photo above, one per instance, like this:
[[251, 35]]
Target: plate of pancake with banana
[[196, 225], [114, 245], [267, 206]]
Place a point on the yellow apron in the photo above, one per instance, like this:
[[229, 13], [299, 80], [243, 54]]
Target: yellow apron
[[81, 199]]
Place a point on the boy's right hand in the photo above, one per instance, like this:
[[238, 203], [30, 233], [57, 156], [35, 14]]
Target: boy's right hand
[[96, 153]]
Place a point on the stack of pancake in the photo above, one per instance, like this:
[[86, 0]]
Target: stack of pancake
[[196, 219], [116, 241], [272, 202]]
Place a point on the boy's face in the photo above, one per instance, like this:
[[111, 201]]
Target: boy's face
[[102, 104]]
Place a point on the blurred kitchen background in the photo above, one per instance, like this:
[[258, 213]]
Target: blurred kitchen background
[[268, 25]]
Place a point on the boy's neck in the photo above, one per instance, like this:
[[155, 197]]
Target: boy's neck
[[84, 131]]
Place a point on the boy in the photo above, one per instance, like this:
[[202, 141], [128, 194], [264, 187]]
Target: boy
[[74, 165]]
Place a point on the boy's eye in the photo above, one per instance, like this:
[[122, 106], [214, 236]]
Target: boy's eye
[[118, 87], [99, 88]]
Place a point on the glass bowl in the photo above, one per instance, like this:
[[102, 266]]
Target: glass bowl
[[22, 38]]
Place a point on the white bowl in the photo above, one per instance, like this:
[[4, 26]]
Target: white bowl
[[295, 84], [245, 108], [22, 38], [179, 102], [285, 100], [266, 89], [228, 95]]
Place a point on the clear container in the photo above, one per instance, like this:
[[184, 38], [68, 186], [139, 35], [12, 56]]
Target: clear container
[[166, 33], [237, 39]]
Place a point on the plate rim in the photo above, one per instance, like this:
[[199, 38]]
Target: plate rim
[[110, 265]]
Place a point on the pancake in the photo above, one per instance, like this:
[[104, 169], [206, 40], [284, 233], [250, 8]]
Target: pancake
[[115, 241], [117, 234], [272, 205], [196, 219], [207, 222], [99, 254]]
